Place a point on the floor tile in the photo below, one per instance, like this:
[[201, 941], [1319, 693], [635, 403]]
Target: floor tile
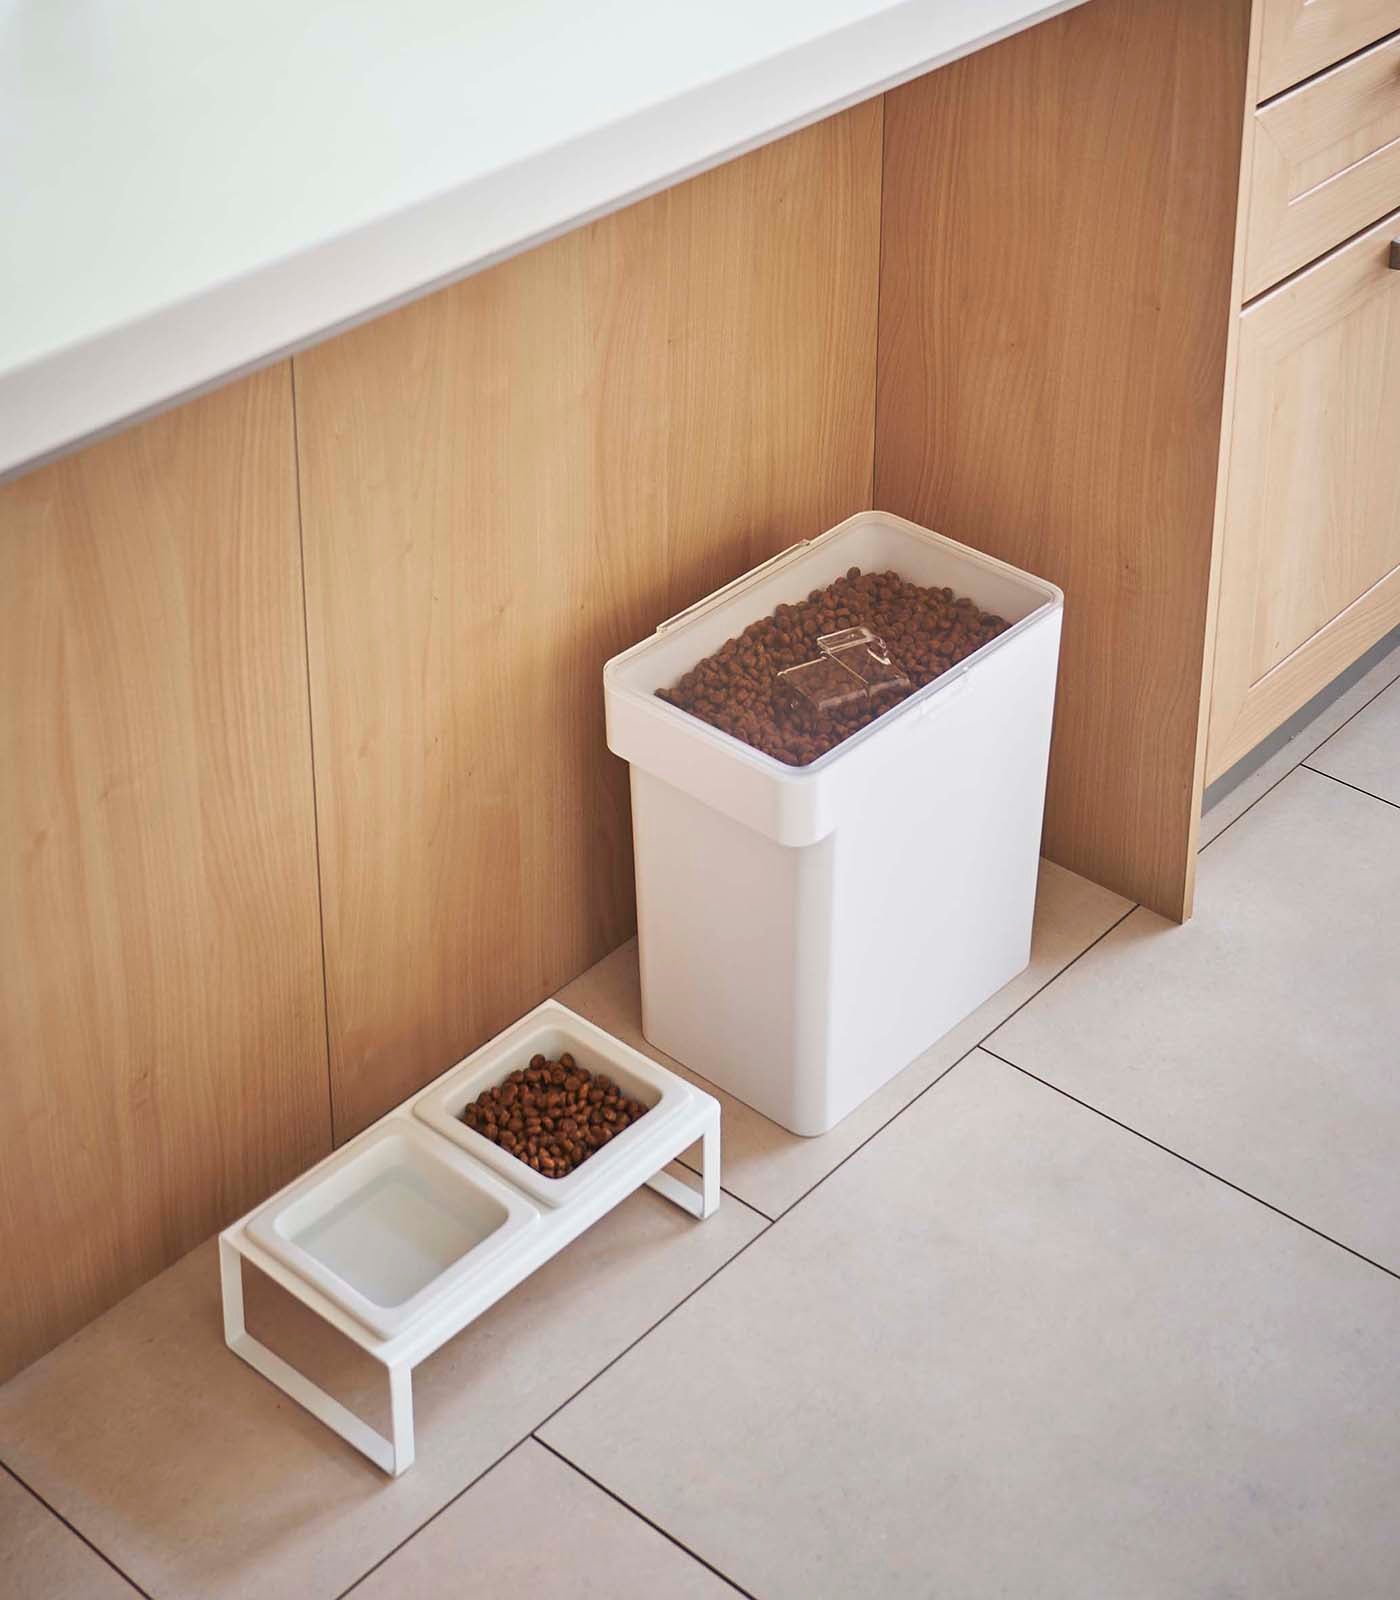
[[1263, 1038], [1367, 751], [534, 1527], [1300, 747], [199, 1479], [1009, 1349], [771, 1168], [40, 1559]]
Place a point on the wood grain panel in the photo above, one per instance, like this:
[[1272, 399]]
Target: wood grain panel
[[1059, 226], [1311, 574], [1302, 37], [503, 485], [160, 985], [1326, 163], [1227, 421]]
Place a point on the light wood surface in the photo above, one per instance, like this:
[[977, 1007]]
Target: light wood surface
[[1059, 223], [1248, 145], [1326, 164], [503, 485], [1311, 574], [161, 1018], [1302, 37]]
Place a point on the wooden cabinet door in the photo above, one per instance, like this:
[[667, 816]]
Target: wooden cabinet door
[[1302, 37], [1310, 573], [1326, 163]]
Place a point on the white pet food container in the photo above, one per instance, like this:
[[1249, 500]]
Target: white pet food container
[[805, 932]]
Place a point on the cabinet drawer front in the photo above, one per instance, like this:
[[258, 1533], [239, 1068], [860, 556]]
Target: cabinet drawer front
[[1310, 571], [1326, 163], [1305, 36]]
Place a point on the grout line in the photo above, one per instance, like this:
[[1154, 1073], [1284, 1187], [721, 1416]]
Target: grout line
[[446, 1504], [1166, 1149], [893, 1117], [1317, 772], [1215, 838], [738, 1199], [747, 1204], [1302, 761], [647, 1332], [311, 741], [971, 1050], [642, 1517], [1060, 974], [81, 1537]]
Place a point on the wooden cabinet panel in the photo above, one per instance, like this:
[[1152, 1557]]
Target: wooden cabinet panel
[[161, 1018], [1311, 569], [1326, 163], [506, 483], [1301, 37], [1056, 292]]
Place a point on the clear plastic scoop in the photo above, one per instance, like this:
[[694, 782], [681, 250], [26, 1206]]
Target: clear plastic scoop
[[853, 669]]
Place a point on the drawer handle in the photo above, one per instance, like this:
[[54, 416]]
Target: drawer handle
[[1395, 255]]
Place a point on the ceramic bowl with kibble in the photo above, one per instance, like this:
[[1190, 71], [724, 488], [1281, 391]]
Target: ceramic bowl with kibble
[[553, 1114], [641, 1096]]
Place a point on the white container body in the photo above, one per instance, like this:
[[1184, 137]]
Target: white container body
[[805, 932]]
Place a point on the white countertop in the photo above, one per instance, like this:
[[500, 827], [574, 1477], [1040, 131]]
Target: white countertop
[[189, 190]]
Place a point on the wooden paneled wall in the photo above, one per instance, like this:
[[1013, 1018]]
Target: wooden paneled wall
[[162, 1032], [499, 487], [1056, 294]]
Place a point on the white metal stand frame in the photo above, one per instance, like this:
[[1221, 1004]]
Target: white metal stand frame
[[696, 1118]]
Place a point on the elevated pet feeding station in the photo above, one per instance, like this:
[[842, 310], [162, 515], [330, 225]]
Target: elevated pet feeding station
[[406, 1234]]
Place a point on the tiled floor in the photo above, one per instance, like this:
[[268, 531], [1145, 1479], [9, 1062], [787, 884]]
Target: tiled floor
[[1099, 1298]]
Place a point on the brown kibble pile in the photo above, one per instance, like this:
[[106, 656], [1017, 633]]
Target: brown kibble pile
[[552, 1115], [926, 631]]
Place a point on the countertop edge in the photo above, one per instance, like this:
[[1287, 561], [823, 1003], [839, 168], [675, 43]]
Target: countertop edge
[[83, 392]]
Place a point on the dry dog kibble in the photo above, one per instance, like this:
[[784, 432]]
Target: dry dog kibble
[[926, 631], [552, 1115]]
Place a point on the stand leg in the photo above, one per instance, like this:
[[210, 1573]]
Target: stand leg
[[704, 1201], [231, 1286], [401, 1416], [709, 1169], [389, 1455]]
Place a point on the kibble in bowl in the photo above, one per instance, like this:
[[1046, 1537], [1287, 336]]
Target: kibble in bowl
[[552, 1115]]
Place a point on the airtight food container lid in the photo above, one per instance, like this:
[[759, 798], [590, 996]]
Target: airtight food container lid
[[800, 805]]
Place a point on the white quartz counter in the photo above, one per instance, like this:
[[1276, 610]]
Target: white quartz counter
[[188, 190]]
